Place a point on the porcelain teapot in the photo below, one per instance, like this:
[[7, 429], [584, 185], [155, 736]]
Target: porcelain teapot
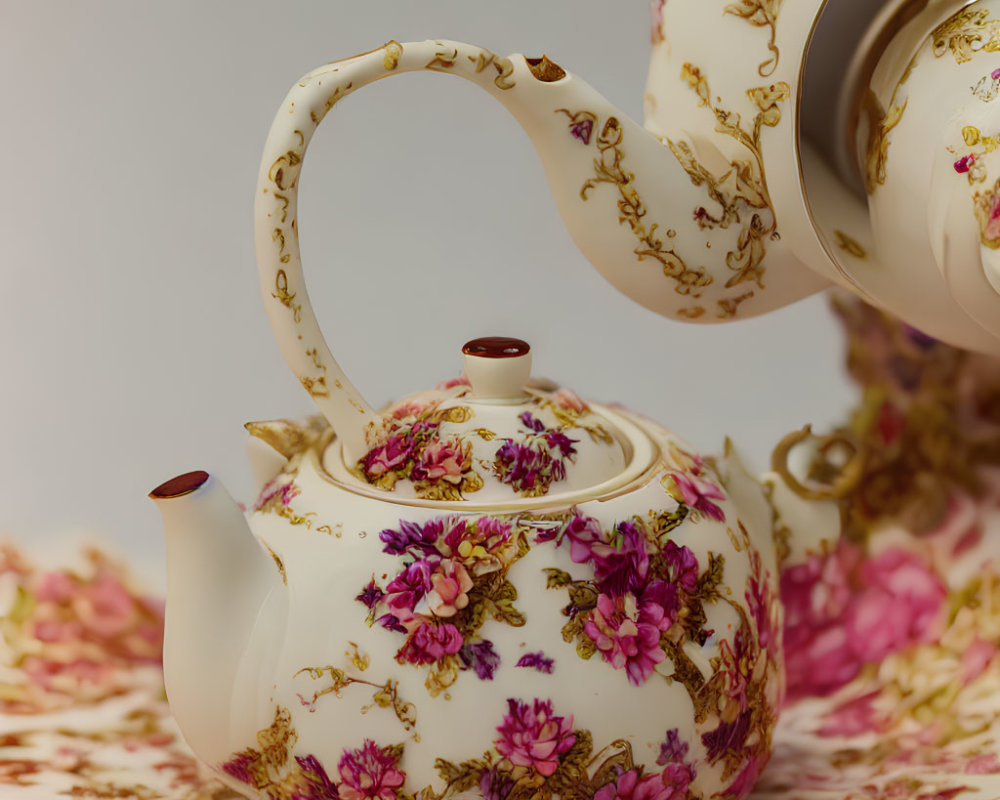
[[787, 148], [493, 588], [510, 593]]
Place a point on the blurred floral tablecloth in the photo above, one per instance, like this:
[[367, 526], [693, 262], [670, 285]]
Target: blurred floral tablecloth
[[892, 639]]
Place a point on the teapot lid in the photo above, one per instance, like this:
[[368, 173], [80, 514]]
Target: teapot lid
[[493, 436]]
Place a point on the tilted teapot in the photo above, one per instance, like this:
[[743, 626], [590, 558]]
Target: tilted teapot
[[782, 154]]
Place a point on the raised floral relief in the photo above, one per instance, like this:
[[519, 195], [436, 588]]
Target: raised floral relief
[[530, 465], [431, 447], [538, 755], [453, 578], [408, 446]]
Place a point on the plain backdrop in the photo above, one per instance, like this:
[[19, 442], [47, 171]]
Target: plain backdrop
[[134, 341]]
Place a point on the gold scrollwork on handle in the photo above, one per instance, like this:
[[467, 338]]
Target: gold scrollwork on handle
[[285, 297], [284, 172], [446, 59]]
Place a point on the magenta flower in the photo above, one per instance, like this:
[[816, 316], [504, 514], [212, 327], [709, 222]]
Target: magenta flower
[[369, 772], [532, 736], [430, 643], [394, 453], [408, 589], [682, 566], [633, 785], [626, 638], [538, 661], [698, 493], [584, 533]]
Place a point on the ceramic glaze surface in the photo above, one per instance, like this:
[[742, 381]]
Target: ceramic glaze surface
[[427, 647]]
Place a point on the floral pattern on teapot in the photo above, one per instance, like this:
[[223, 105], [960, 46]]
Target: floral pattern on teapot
[[538, 754], [430, 442]]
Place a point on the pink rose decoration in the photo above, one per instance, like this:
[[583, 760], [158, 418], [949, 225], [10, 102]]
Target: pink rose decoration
[[532, 736], [698, 493], [450, 582], [843, 611], [442, 460], [369, 772]]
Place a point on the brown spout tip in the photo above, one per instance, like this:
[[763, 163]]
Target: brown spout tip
[[181, 485]]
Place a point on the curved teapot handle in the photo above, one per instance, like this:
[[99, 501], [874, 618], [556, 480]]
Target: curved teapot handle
[[276, 234], [625, 195]]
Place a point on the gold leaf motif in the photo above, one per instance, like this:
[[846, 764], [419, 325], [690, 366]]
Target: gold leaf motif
[[279, 563], [393, 52], [743, 186], [315, 386], [285, 170], [729, 306], [985, 205], [965, 34], [631, 209], [763, 14], [849, 245]]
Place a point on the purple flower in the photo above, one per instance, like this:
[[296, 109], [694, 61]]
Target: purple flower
[[370, 595], [532, 736], [391, 623], [673, 750], [480, 657], [556, 440], [417, 538], [626, 637], [408, 588], [623, 564], [728, 737], [318, 785], [370, 772], [430, 643], [538, 661], [527, 468], [682, 566], [582, 130], [697, 493], [495, 784], [532, 423]]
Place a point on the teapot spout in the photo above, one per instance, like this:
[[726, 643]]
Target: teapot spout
[[681, 225], [218, 578]]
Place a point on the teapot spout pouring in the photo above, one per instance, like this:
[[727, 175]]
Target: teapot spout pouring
[[218, 577]]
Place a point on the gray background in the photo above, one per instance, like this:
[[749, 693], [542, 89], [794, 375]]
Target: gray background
[[134, 342]]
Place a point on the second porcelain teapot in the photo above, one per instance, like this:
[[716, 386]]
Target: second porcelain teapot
[[758, 178]]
